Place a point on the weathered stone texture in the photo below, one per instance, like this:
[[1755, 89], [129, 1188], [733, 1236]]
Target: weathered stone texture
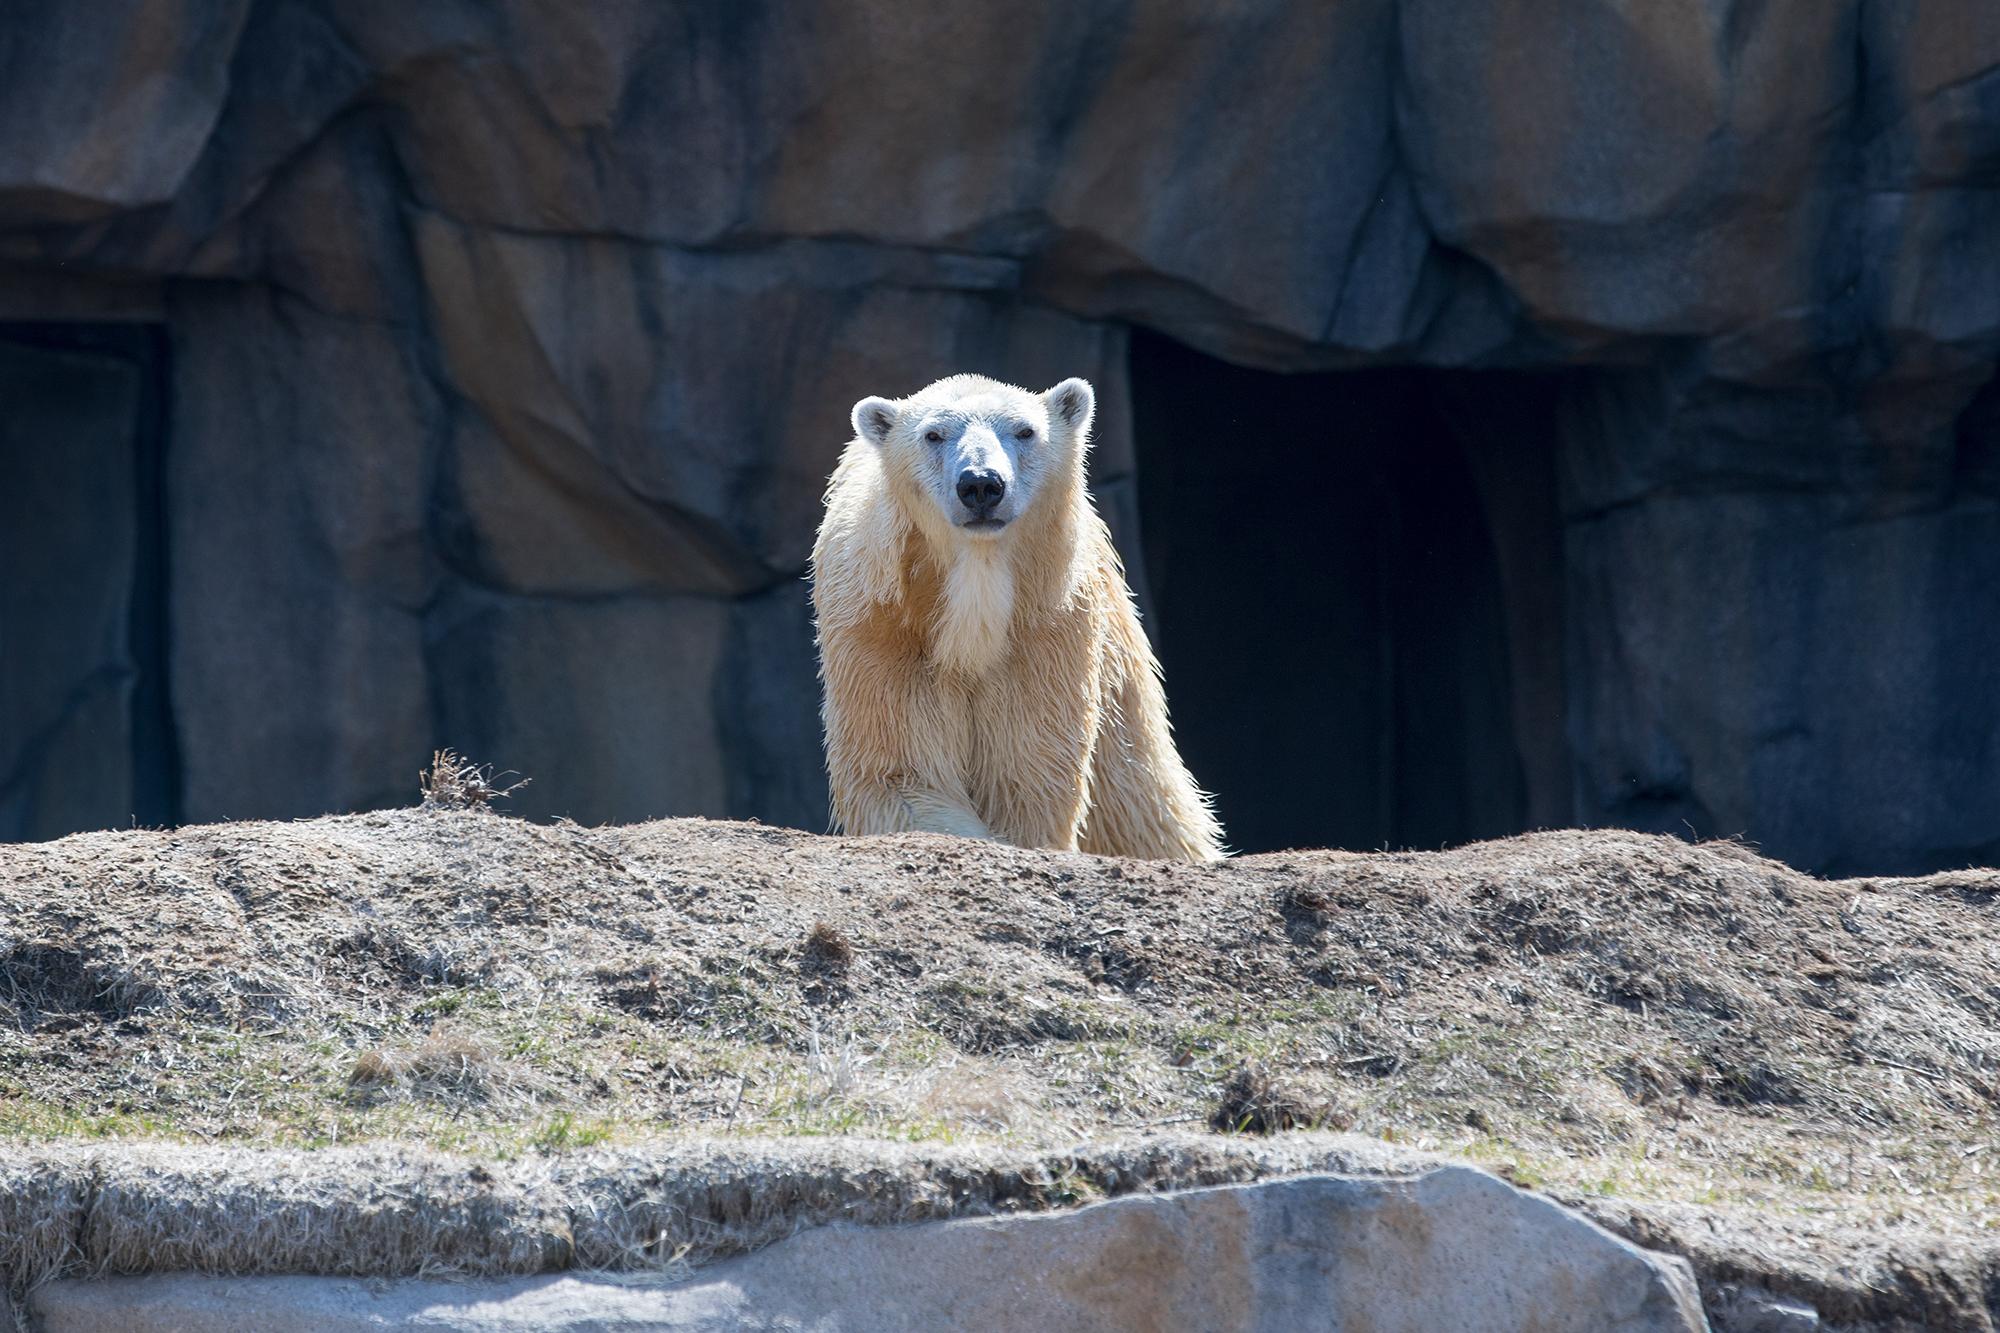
[[503, 328], [1453, 1249]]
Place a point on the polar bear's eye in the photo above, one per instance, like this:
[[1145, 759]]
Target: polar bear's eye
[[1025, 433], [934, 436]]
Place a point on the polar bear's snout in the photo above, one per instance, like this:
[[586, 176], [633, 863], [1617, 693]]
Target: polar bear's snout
[[980, 490], [979, 475]]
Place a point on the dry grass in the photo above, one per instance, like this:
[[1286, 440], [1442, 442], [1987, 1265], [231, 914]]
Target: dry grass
[[1253, 1101], [444, 1066], [827, 950], [453, 782], [397, 1211], [1606, 1015], [975, 1095]]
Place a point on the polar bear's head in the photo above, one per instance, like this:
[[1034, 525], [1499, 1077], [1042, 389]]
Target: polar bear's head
[[978, 451]]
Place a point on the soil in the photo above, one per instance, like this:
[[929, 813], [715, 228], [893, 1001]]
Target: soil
[[1692, 1042]]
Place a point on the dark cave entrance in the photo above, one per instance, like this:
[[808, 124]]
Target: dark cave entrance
[[86, 732], [1355, 581]]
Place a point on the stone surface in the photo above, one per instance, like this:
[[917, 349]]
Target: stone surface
[[1754, 1310], [300, 563], [1454, 1248], [556, 311], [110, 108]]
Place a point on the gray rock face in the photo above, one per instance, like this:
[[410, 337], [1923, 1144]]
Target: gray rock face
[[1754, 1310], [1451, 1249], [511, 343], [111, 111]]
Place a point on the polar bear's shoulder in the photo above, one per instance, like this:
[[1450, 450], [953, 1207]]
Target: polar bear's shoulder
[[857, 561]]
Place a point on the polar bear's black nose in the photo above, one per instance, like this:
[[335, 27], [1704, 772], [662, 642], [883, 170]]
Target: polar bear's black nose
[[980, 491]]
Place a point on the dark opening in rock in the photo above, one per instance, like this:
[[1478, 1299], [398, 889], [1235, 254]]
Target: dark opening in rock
[[1356, 591], [86, 736]]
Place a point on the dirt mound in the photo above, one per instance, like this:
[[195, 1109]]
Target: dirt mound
[[1598, 1013]]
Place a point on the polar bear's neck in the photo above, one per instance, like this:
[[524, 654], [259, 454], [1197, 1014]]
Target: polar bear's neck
[[977, 608]]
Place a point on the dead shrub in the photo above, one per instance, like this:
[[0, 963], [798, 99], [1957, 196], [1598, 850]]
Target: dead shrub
[[1255, 1102], [827, 950], [453, 782]]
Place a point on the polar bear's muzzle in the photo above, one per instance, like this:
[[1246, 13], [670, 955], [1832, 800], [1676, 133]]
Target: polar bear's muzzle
[[980, 491]]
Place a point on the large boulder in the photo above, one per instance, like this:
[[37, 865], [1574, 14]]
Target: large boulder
[[1451, 1249]]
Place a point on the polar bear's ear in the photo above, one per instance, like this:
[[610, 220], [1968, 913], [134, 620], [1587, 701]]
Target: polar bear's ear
[[1071, 404], [873, 419]]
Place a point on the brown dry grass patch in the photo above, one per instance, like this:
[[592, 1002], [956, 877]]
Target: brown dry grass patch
[[453, 782], [828, 950], [1254, 1101], [444, 1065]]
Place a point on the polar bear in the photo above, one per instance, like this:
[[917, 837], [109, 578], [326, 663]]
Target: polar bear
[[984, 670]]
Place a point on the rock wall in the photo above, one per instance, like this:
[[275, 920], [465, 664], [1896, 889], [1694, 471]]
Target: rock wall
[[509, 344]]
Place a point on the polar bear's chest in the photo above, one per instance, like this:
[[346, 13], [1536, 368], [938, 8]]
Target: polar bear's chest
[[974, 615]]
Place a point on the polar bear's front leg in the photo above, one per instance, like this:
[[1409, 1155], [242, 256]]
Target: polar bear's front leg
[[897, 804], [892, 753], [1044, 719], [930, 812]]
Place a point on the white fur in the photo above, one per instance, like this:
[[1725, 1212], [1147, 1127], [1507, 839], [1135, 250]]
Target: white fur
[[972, 624], [985, 673], [865, 541]]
